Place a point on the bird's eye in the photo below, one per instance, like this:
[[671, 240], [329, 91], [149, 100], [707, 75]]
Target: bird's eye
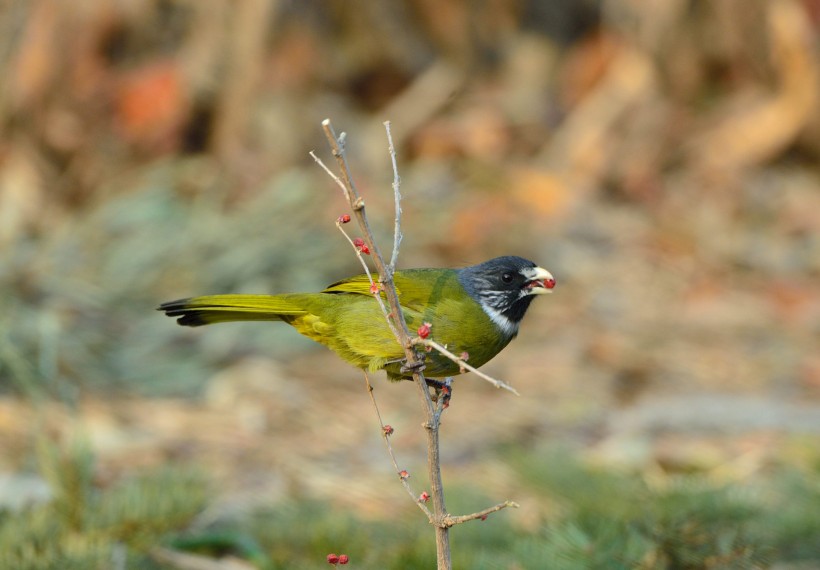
[[507, 277]]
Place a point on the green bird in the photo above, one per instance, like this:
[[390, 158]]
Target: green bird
[[474, 310]]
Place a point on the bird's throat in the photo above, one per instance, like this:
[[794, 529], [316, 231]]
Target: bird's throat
[[508, 326]]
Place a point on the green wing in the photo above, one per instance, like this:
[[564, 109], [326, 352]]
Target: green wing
[[359, 284], [417, 288]]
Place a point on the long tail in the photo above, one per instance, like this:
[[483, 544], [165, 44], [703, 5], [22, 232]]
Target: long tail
[[198, 311]]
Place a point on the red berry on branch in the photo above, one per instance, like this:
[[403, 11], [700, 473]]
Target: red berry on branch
[[332, 559], [344, 219], [343, 559], [424, 497], [404, 474], [388, 429], [424, 330]]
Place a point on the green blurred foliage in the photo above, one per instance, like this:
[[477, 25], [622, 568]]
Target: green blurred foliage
[[85, 525], [598, 519]]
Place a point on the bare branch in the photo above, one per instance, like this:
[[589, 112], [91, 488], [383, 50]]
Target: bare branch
[[451, 520], [403, 337], [463, 363], [439, 517], [397, 235], [329, 172]]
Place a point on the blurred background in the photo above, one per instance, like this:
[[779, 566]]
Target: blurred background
[[661, 159]]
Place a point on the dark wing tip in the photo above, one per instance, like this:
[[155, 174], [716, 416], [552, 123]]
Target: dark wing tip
[[174, 305], [188, 317]]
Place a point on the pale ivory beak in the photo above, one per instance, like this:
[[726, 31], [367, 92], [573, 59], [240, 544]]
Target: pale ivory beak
[[539, 280]]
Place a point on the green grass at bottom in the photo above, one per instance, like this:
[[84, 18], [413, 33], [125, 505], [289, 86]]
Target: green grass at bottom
[[595, 519]]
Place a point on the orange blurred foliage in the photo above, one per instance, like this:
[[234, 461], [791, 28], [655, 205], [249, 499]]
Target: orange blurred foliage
[[152, 105]]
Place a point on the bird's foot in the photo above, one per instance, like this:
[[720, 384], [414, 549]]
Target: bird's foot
[[443, 389], [417, 366]]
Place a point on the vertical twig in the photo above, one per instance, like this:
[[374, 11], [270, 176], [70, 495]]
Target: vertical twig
[[397, 235]]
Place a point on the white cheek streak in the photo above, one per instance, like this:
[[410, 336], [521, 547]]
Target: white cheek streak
[[506, 325]]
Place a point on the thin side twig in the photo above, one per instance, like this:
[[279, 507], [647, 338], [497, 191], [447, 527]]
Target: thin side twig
[[376, 291], [329, 172], [452, 520], [357, 251], [463, 363], [392, 455]]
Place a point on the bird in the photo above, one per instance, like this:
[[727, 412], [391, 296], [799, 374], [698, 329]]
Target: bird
[[474, 311]]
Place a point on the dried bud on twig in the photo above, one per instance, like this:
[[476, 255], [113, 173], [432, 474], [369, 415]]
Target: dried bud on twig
[[361, 246], [465, 356]]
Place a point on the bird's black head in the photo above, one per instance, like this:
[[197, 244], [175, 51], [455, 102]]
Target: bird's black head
[[505, 287]]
